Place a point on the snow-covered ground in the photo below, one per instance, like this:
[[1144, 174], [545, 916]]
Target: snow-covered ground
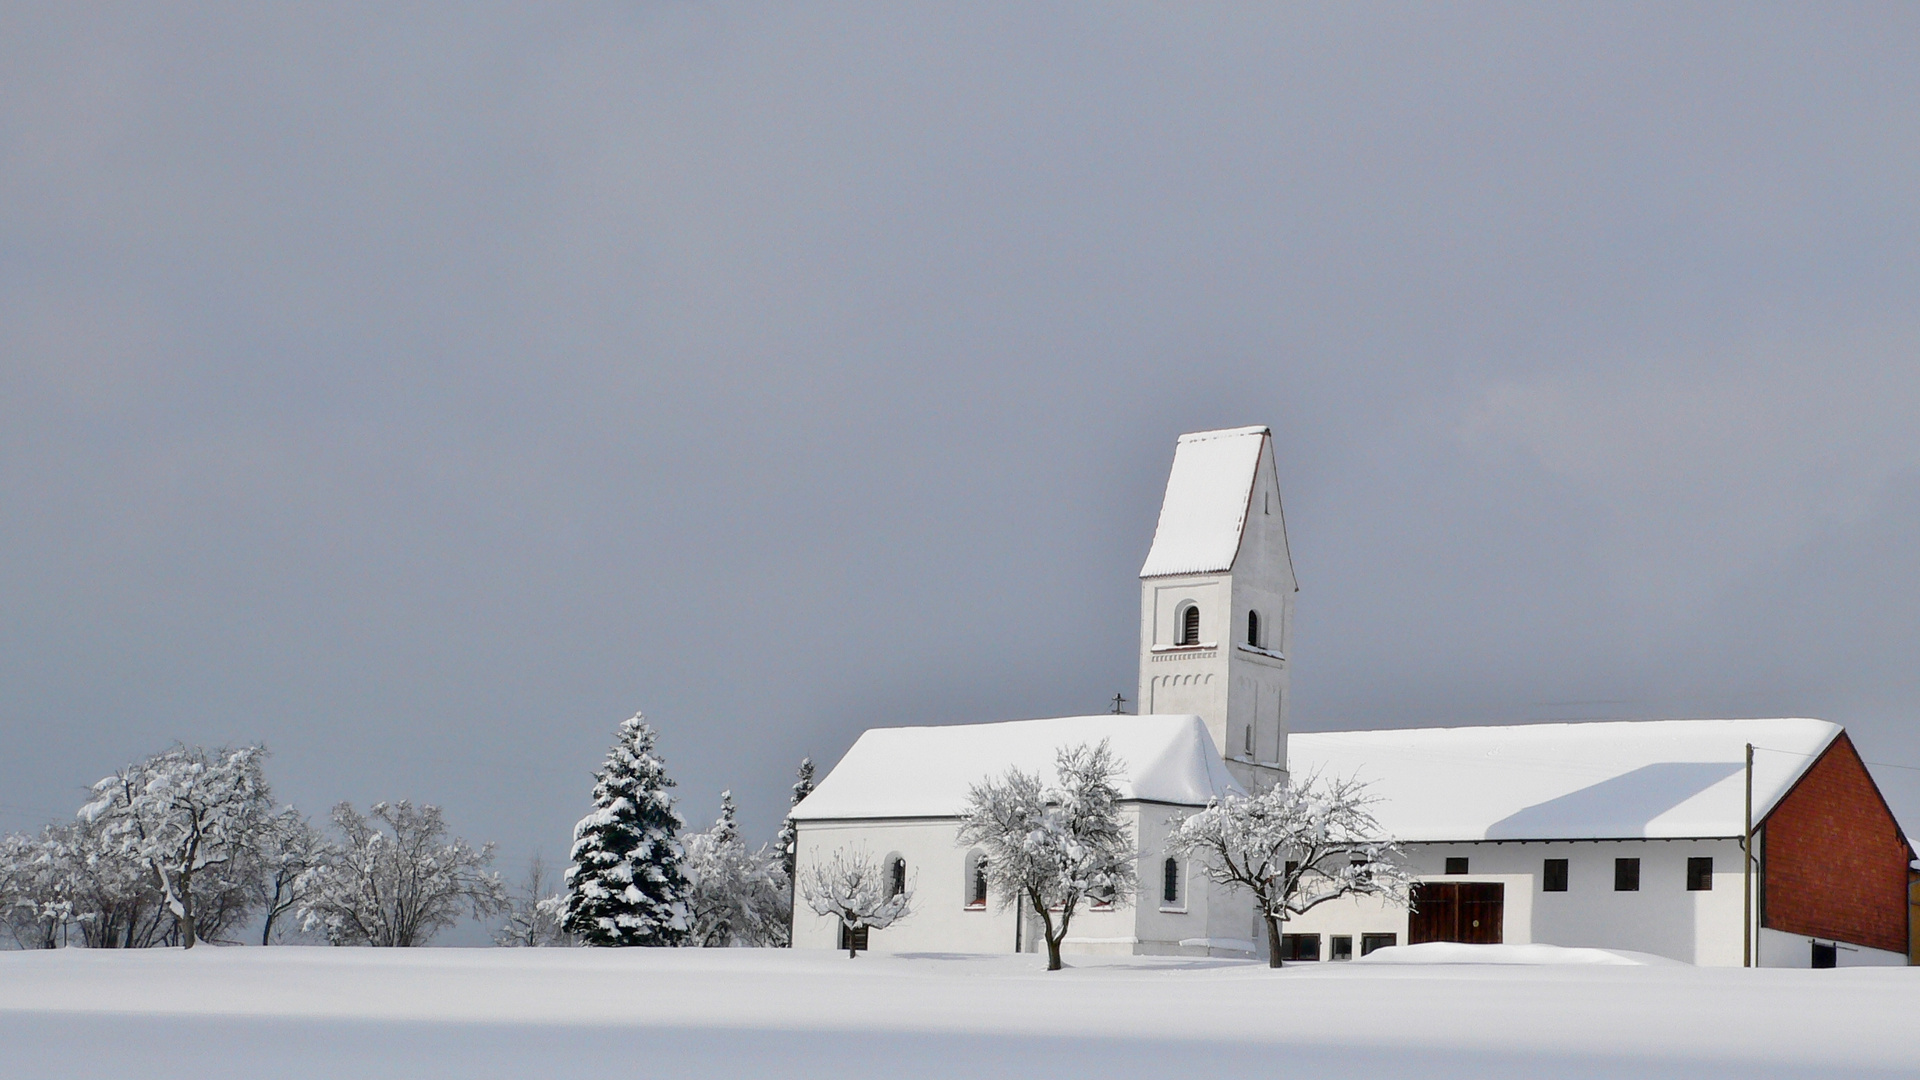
[[319, 1012]]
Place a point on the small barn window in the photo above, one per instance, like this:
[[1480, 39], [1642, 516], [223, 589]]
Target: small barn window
[[1456, 864], [1700, 873], [896, 876], [1553, 877], [1626, 875], [1253, 629], [1370, 942], [1170, 881]]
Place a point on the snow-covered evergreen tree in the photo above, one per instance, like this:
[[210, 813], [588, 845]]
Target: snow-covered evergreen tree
[[1049, 847], [851, 887], [1295, 847], [789, 838], [625, 885]]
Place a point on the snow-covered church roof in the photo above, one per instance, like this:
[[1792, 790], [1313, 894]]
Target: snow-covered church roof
[[1205, 508], [909, 772], [1587, 781]]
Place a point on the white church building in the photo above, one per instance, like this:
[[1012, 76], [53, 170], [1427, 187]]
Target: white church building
[[1615, 835]]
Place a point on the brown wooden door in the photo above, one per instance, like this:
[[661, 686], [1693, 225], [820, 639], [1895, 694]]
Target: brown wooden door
[[1466, 911]]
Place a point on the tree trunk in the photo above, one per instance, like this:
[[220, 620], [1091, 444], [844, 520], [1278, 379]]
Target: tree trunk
[[1273, 941], [1055, 937], [185, 913]]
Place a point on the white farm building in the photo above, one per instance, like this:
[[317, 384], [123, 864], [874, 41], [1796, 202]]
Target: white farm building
[[1619, 835]]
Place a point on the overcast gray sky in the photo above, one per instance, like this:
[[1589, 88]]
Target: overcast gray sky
[[422, 391]]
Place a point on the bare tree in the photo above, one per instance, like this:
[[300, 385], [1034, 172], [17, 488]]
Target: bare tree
[[534, 910], [1295, 847], [402, 885], [292, 855], [192, 817], [1049, 847], [848, 886]]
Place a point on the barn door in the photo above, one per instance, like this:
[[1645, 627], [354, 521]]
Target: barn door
[[1467, 911]]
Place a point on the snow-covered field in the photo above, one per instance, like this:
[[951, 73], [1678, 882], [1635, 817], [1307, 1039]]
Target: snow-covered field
[[318, 1012]]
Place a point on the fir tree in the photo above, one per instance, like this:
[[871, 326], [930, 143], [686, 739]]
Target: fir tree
[[789, 835], [625, 885]]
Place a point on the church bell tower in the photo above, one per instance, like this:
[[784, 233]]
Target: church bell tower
[[1216, 601]]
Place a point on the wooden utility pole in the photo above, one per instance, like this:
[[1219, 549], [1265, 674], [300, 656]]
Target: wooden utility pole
[[1746, 873]]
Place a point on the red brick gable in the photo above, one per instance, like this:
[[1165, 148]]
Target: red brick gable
[[1835, 863]]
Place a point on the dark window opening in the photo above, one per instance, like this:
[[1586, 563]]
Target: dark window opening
[[1170, 882], [1299, 946], [1626, 875], [1370, 942], [1249, 739], [1700, 873], [1456, 864], [1825, 956], [1553, 878], [1253, 629], [1190, 625], [853, 940], [897, 876], [1340, 947], [977, 893], [1292, 867]]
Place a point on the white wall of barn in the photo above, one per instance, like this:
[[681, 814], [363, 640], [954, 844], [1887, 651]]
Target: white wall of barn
[[1203, 920], [1662, 917]]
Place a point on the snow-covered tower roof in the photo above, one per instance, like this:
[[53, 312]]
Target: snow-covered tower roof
[[1205, 509], [926, 772]]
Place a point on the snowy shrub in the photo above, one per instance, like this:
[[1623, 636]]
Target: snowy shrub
[[398, 886], [192, 818], [1295, 847], [1049, 847], [739, 896], [625, 885], [851, 888]]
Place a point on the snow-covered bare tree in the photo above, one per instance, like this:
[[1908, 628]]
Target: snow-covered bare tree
[[36, 891], [1295, 847], [739, 895], [193, 818], [116, 903], [401, 885], [533, 911], [850, 887], [1050, 847], [292, 855], [625, 885]]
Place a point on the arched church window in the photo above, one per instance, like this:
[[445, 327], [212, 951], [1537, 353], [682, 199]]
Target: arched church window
[[896, 876], [1253, 629], [976, 879], [1170, 881], [1249, 739], [1190, 625]]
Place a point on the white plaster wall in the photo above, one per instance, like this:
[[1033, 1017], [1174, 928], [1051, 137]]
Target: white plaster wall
[[1663, 917], [1205, 920]]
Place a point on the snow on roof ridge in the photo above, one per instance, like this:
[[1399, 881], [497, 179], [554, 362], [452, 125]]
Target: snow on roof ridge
[[1529, 725], [1204, 510], [1565, 780]]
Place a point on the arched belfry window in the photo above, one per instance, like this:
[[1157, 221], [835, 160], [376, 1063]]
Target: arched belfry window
[[1253, 629], [1189, 625], [1170, 881]]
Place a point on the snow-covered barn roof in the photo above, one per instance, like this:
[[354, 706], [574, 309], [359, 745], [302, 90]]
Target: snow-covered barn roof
[[927, 771], [1205, 508], [1588, 781]]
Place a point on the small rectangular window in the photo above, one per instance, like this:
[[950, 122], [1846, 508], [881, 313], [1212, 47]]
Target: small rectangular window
[[1626, 875], [1340, 947], [1299, 946], [1456, 864], [854, 940], [1370, 942], [1553, 877], [1700, 874]]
